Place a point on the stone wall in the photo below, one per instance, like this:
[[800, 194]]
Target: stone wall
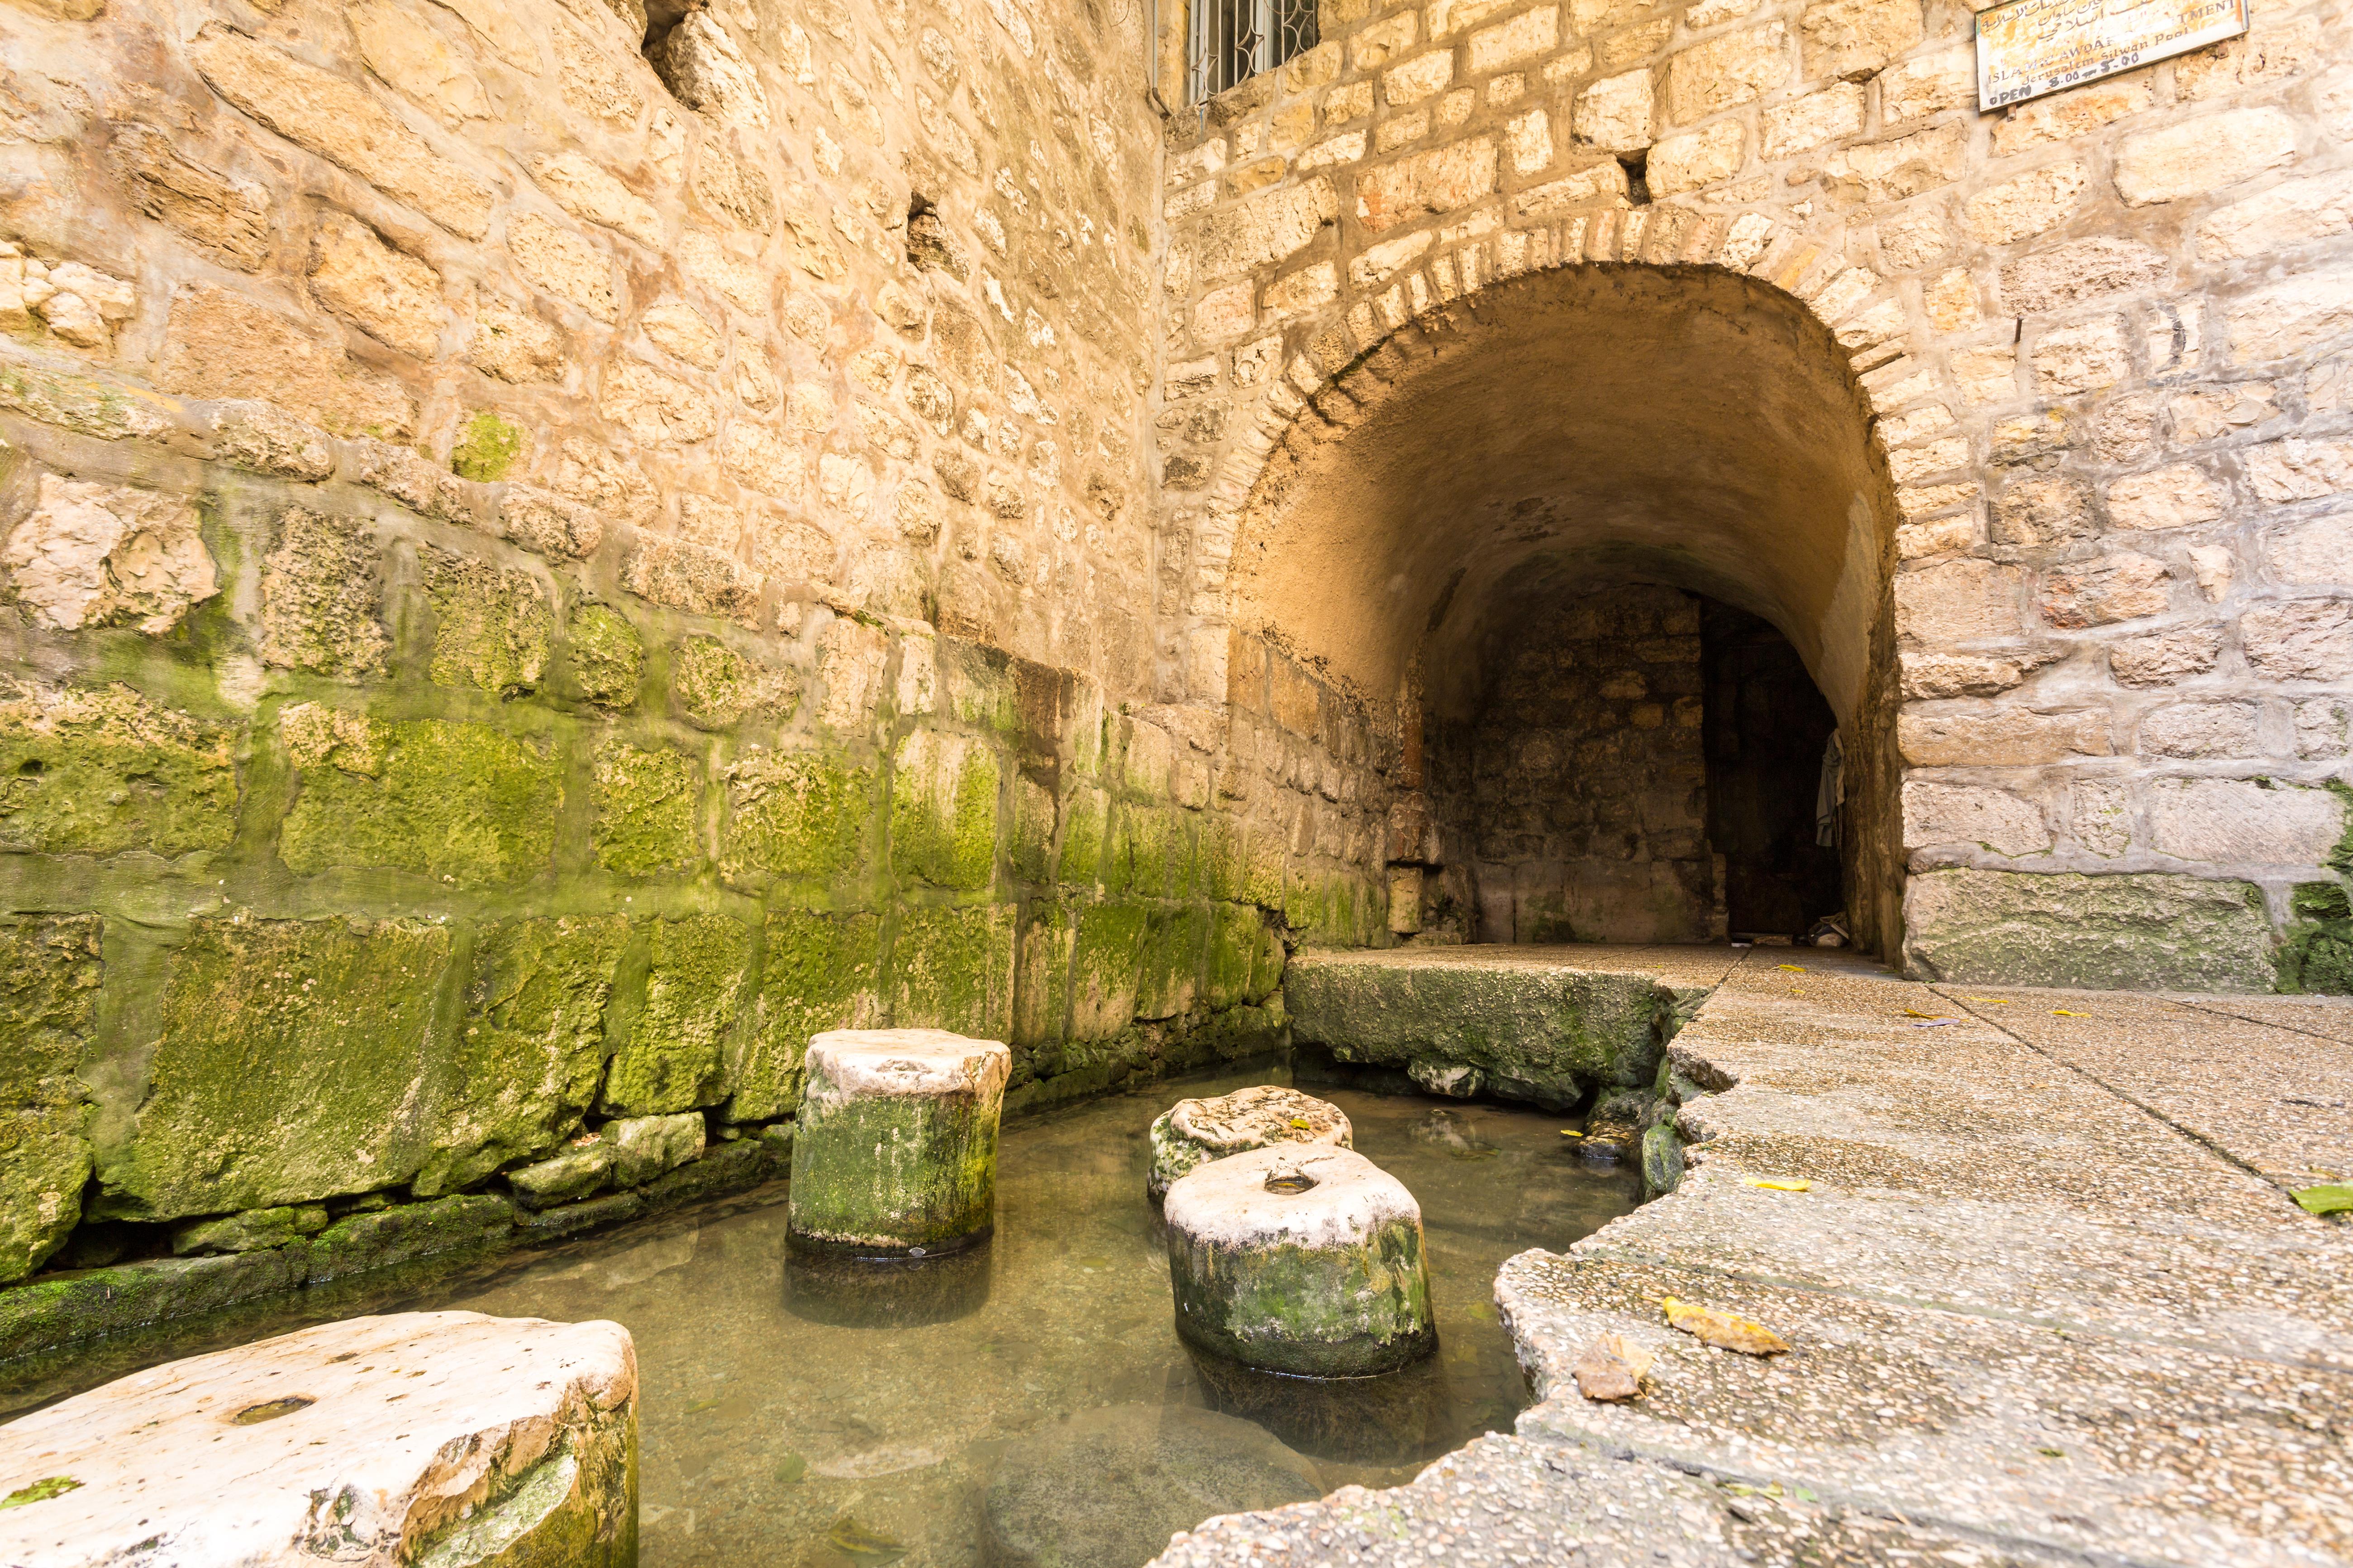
[[1577, 794], [547, 560], [2083, 600]]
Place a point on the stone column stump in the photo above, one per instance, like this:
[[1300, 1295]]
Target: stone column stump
[[894, 1153], [1192, 1132], [1306, 1261], [448, 1438]]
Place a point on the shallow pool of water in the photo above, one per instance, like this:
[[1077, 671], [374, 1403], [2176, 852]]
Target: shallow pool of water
[[795, 1418]]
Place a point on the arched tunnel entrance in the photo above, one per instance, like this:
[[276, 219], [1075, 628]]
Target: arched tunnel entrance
[[1612, 545]]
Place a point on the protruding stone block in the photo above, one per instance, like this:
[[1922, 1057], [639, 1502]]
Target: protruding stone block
[[443, 1438], [1194, 1131], [1304, 1261], [895, 1153]]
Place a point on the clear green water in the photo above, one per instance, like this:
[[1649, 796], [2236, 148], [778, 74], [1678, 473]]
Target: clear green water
[[792, 1419]]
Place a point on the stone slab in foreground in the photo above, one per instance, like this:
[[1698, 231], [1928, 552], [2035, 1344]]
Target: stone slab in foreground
[[439, 1439]]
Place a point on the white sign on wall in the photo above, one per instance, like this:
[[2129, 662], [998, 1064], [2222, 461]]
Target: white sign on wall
[[2029, 47]]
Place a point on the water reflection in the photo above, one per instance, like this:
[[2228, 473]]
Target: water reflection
[[886, 1293]]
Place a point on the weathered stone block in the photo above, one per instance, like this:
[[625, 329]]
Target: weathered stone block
[[228, 219], [1840, 38], [648, 809], [49, 973], [2113, 932], [1438, 180], [818, 971], [2288, 317], [1727, 71], [2117, 588], [943, 811], [952, 969], [1992, 819], [800, 815], [1265, 229], [1999, 737], [220, 344], [99, 772], [97, 554], [321, 586], [1959, 601], [388, 293], [896, 1147], [528, 1057], [2300, 639], [607, 657], [492, 627], [675, 1053], [2244, 822], [2199, 155], [292, 1061], [464, 803]]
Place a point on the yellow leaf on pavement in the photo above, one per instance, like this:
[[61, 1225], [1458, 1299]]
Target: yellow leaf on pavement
[[1781, 1183], [2063, 1013], [1792, 968], [1723, 1330]]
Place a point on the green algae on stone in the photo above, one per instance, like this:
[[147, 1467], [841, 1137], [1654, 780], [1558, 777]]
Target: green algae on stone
[[250, 1231], [607, 657], [492, 627], [2145, 932], [1542, 1033], [647, 808], [405, 1233], [56, 1309], [486, 447], [2316, 951], [293, 1060], [49, 973], [797, 814], [574, 1172], [1168, 977], [531, 1052], [645, 1146], [676, 1052], [818, 971], [98, 770], [895, 1143], [1245, 956], [952, 969], [1031, 855], [1106, 969], [944, 791], [1308, 1261], [322, 590], [717, 685], [1041, 992], [461, 802], [1081, 864]]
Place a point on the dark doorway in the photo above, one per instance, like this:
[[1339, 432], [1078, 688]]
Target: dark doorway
[[1766, 729]]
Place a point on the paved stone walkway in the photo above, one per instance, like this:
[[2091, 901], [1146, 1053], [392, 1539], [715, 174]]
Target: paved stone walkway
[[2048, 1297]]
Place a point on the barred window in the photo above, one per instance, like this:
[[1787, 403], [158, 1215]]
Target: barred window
[[1235, 39]]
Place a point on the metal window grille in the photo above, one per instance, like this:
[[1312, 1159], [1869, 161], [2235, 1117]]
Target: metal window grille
[[1233, 40]]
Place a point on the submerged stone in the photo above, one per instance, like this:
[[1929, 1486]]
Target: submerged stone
[[443, 1438], [1193, 1132], [1306, 1261], [895, 1147], [1107, 1487]]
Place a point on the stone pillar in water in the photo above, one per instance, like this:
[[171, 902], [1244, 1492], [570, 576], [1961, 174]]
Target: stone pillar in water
[[451, 1438], [1300, 1260], [1194, 1130], [894, 1151]]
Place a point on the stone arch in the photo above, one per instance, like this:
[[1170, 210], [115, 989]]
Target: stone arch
[[1627, 395]]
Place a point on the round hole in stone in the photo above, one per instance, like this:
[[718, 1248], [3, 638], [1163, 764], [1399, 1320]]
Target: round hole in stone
[[271, 1409], [1288, 1181]]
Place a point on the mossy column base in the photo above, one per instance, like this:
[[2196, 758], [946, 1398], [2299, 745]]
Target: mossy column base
[[1306, 1261], [895, 1150], [1194, 1131]]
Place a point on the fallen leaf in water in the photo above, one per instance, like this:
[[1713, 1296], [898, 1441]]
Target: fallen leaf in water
[[791, 1468], [2063, 1013], [1570, 1132], [854, 1540], [1723, 1330], [2330, 1197], [1781, 1183]]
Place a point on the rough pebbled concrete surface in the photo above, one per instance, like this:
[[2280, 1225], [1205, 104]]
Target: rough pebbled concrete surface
[[2048, 1297]]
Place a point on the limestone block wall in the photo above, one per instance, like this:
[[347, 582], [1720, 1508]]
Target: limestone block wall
[[2093, 641], [548, 555]]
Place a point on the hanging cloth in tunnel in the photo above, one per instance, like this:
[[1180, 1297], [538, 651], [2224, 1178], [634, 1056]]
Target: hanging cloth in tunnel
[[1830, 793]]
